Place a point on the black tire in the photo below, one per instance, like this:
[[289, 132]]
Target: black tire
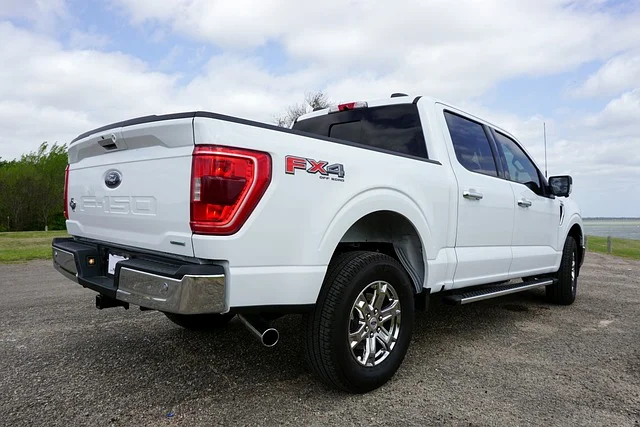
[[200, 321], [564, 291], [327, 327]]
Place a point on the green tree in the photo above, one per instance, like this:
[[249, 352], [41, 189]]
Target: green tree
[[32, 189]]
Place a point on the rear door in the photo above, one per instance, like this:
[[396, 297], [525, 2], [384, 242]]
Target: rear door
[[537, 214], [485, 203], [131, 185]]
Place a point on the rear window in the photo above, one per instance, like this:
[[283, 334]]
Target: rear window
[[471, 144], [392, 127]]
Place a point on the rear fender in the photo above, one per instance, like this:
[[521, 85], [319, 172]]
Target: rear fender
[[370, 201]]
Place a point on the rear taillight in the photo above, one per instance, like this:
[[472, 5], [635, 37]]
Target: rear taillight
[[66, 192], [226, 185]]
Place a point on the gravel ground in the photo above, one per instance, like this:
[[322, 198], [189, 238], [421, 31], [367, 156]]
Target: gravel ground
[[509, 361]]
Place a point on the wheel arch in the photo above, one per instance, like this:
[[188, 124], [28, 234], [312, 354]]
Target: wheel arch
[[366, 222], [576, 231]]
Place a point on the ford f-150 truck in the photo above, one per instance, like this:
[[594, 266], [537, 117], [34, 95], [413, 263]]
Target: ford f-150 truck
[[354, 217]]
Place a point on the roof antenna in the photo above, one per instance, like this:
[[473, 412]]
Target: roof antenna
[[544, 131]]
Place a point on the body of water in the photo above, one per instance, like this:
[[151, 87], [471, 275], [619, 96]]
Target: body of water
[[626, 229]]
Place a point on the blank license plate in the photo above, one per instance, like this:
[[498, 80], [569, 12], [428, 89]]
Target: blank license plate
[[113, 260]]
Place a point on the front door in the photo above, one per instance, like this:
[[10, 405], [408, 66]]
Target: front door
[[537, 214]]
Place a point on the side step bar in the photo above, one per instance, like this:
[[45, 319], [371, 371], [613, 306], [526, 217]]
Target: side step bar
[[495, 291]]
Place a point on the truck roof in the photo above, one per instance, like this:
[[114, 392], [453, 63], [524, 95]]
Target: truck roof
[[408, 99]]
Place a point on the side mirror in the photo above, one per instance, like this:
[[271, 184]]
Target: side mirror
[[560, 185]]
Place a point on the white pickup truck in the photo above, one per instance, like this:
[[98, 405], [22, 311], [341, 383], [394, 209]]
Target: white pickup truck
[[354, 217]]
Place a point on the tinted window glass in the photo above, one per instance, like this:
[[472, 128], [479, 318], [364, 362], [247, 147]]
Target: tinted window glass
[[471, 145], [350, 131], [393, 127], [518, 166]]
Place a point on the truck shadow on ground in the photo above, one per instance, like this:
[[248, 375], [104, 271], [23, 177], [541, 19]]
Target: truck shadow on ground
[[147, 351]]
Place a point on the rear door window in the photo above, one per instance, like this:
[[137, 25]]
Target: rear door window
[[394, 128], [471, 144]]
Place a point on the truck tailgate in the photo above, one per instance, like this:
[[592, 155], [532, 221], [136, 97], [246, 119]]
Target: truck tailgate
[[131, 186]]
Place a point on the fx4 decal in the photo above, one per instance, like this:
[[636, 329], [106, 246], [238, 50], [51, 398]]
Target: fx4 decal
[[314, 167]]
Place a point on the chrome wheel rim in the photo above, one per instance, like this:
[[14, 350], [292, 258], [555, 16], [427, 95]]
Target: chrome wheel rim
[[374, 325]]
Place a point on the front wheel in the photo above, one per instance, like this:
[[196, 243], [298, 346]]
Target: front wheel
[[360, 329], [564, 290]]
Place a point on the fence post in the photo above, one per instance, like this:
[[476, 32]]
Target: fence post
[[609, 244]]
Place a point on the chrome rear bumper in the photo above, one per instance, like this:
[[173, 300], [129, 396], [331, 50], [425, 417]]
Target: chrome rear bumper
[[65, 263], [169, 286], [189, 295]]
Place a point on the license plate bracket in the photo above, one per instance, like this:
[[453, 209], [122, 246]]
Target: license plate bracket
[[113, 260]]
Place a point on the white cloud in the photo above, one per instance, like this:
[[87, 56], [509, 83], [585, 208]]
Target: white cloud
[[52, 93], [620, 118], [48, 75], [354, 51], [88, 40], [615, 76], [26, 125], [242, 86], [602, 152], [456, 50], [44, 14]]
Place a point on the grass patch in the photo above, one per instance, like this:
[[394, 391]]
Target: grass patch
[[27, 245], [626, 248]]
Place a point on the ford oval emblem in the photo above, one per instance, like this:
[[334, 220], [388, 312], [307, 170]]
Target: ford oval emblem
[[113, 179]]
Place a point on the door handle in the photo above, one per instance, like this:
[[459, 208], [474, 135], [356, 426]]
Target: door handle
[[472, 195], [524, 203]]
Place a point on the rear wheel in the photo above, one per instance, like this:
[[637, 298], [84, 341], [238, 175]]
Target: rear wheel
[[564, 291], [200, 321], [360, 329]]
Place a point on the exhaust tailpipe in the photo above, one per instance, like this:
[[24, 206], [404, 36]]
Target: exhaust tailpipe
[[267, 335]]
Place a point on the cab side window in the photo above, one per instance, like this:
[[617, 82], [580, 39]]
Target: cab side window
[[471, 144], [518, 166]]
